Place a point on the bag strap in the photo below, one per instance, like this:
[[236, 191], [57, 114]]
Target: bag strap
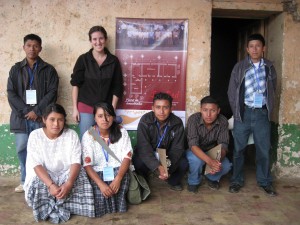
[[95, 135]]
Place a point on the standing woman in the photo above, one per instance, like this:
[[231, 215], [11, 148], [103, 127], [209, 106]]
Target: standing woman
[[97, 77], [109, 178], [56, 185]]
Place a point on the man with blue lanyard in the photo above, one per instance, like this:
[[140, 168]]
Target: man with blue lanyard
[[251, 94], [160, 128], [32, 85]]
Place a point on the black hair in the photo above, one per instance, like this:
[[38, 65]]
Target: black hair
[[97, 29], [209, 100], [163, 96], [257, 37], [54, 107], [114, 131], [33, 37]]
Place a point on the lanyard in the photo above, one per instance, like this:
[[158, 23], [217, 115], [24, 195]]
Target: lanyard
[[161, 137], [256, 75], [31, 74], [105, 153]]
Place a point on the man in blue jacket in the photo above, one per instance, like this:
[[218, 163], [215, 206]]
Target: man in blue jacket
[[251, 95], [32, 85]]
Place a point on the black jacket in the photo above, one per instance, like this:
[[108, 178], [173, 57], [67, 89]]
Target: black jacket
[[45, 83], [147, 140], [97, 83]]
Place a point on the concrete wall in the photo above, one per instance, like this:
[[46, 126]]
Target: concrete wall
[[63, 26]]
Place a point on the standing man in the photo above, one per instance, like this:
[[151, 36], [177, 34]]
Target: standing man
[[160, 128], [32, 85], [205, 130], [251, 95]]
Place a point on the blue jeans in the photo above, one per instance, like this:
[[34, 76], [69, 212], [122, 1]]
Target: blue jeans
[[86, 121], [195, 169], [255, 121], [21, 145]]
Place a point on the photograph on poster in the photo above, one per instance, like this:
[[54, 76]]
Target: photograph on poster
[[153, 56]]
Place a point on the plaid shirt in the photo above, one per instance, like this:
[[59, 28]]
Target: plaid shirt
[[255, 82]]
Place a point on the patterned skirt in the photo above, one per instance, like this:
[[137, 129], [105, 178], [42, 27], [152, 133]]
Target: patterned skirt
[[80, 200], [115, 203]]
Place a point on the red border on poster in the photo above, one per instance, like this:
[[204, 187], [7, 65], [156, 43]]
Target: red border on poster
[[153, 56]]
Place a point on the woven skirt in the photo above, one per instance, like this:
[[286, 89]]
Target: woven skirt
[[80, 200], [115, 203]]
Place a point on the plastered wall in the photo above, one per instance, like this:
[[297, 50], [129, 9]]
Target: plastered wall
[[63, 27]]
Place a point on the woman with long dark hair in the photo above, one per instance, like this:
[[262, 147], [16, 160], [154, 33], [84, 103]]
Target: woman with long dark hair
[[56, 185], [109, 178]]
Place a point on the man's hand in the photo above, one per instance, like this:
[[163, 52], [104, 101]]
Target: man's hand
[[31, 116], [162, 173], [215, 165]]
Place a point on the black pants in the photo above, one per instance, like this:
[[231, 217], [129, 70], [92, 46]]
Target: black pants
[[178, 170]]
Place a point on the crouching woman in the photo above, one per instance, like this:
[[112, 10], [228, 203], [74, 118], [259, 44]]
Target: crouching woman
[[56, 185], [109, 176]]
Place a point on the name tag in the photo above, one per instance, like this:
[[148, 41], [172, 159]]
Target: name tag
[[31, 97], [108, 173], [258, 100]]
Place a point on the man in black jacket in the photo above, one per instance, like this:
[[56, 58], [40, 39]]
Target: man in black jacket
[[160, 128], [32, 85]]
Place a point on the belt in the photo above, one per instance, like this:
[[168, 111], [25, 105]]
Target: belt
[[251, 107]]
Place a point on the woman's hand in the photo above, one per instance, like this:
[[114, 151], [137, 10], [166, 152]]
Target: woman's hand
[[75, 115], [64, 190], [106, 190], [54, 189], [115, 185]]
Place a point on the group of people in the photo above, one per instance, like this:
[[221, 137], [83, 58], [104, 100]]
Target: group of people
[[63, 174]]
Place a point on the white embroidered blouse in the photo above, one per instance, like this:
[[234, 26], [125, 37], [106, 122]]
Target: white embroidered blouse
[[55, 155], [92, 152]]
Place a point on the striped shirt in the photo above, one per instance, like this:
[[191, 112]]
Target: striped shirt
[[205, 139]]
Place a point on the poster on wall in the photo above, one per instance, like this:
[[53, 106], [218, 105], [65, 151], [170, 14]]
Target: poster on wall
[[153, 56]]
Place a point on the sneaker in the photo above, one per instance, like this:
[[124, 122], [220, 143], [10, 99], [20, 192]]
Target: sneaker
[[269, 190], [234, 188], [176, 187], [193, 188], [19, 189], [214, 185]]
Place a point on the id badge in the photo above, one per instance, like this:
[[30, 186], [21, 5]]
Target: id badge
[[108, 173], [258, 100], [31, 97], [156, 155]]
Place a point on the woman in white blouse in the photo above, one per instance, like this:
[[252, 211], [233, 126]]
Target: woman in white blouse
[[109, 177], [56, 185]]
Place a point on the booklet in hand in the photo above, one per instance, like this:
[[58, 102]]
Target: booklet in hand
[[214, 153]]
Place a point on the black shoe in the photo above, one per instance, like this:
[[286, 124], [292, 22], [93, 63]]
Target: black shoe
[[214, 185], [269, 190], [193, 188], [234, 188], [176, 187]]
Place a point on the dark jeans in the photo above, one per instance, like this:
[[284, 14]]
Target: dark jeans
[[175, 177], [255, 121]]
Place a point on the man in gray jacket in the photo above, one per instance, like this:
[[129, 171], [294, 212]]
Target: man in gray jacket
[[251, 94], [32, 85]]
